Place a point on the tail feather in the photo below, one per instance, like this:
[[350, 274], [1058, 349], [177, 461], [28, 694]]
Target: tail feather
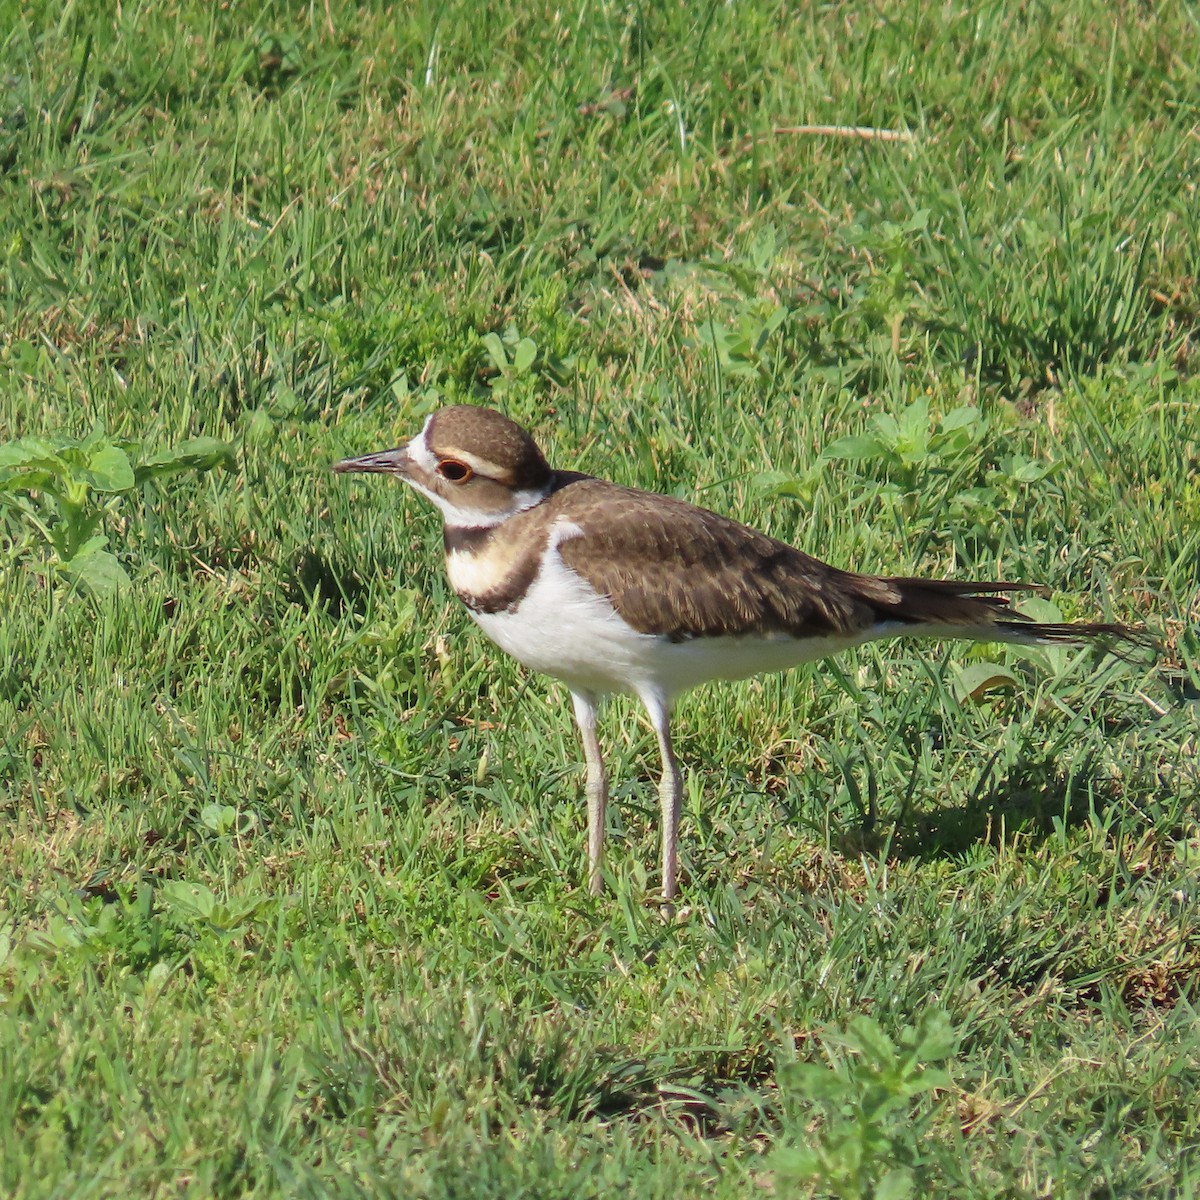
[[983, 612], [1120, 640]]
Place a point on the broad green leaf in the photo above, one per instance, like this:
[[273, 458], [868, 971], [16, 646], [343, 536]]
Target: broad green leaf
[[811, 1080], [867, 1035], [856, 448], [93, 544], [888, 429], [195, 454], [108, 469], [1025, 470], [774, 319], [1041, 609], [259, 429], [232, 914], [763, 248], [934, 1079], [975, 681], [934, 1038], [897, 1184], [192, 900], [963, 417], [29, 479], [97, 570], [912, 444], [918, 221], [785, 483], [495, 349], [524, 355], [28, 453], [30, 464], [285, 403], [912, 450], [220, 818], [796, 1162]]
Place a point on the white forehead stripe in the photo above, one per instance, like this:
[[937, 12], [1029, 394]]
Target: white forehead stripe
[[479, 464], [419, 452]]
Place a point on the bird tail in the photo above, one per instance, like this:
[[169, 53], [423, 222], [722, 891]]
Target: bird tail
[[1124, 641], [984, 612]]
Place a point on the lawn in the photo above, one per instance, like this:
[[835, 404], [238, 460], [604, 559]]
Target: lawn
[[292, 878]]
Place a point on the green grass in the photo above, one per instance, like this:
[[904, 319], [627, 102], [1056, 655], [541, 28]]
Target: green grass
[[290, 857]]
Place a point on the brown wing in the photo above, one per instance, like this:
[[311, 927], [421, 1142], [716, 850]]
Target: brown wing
[[672, 568]]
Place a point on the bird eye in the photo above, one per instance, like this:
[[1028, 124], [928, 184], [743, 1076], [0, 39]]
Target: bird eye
[[454, 471]]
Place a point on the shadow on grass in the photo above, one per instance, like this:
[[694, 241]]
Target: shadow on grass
[[1033, 798], [311, 577]]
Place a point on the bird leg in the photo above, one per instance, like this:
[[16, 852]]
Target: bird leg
[[670, 790], [596, 788]]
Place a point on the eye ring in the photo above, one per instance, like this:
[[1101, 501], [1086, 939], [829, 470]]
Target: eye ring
[[454, 471]]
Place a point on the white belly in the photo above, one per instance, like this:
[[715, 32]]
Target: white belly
[[564, 628]]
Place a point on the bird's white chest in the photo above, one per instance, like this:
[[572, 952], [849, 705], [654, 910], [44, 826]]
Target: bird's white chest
[[565, 628]]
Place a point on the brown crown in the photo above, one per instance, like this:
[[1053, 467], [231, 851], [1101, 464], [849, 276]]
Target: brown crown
[[490, 437]]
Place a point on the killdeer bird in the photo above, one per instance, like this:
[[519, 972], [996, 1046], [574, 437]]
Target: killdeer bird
[[616, 590]]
